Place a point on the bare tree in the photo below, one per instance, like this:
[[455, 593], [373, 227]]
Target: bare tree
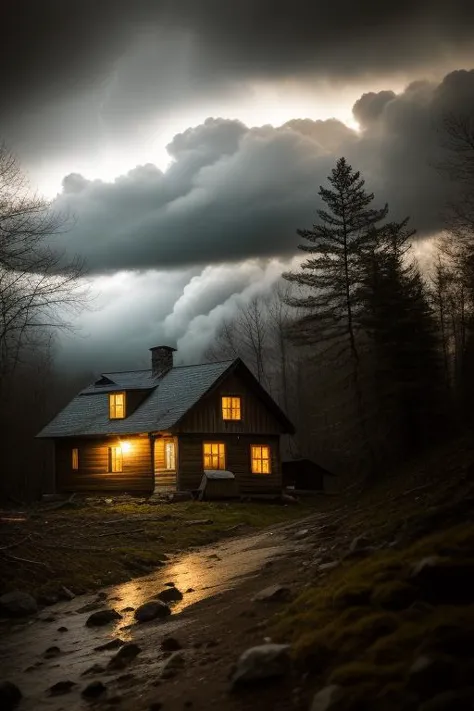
[[39, 287]]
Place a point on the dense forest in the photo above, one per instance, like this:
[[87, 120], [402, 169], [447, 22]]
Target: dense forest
[[371, 355]]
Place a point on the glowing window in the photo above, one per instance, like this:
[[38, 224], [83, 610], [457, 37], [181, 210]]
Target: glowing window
[[231, 409], [117, 406], [75, 459], [115, 459], [214, 455], [261, 459]]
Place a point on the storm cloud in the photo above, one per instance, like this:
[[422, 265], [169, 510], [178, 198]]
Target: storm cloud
[[234, 193], [79, 74]]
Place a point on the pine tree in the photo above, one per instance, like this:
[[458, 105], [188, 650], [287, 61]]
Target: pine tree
[[332, 277], [409, 375]]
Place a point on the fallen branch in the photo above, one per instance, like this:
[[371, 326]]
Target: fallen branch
[[15, 543], [120, 533], [27, 560]]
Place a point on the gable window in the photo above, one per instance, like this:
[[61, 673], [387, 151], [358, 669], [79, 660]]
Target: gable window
[[214, 455], [75, 459], [231, 408], [261, 459], [115, 459], [117, 406]]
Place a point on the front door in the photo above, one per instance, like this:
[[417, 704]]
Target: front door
[[165, 463]]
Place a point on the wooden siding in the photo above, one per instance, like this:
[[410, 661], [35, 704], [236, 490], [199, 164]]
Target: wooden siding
[[206, 416], [93, 475], [191, 467], [165, 479]]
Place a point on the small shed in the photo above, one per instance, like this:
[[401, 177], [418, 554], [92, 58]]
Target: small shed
[[305, 474], [218, 484]]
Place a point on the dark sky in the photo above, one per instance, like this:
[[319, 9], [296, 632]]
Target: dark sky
[[84, 81]]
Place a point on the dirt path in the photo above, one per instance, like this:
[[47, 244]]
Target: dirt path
[[214, 623]]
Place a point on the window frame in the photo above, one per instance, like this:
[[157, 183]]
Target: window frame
[[110, 460], [218, 455], [261, 459], [113, 405], [75, 459], [231, 408]]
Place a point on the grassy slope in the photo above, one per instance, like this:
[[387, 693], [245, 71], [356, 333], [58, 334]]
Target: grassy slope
[[91, 545], [362, 625]]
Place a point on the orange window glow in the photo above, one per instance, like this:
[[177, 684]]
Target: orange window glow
[[261, 459], [213, 455]]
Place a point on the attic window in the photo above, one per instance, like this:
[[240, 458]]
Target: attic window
[[214, 455], [231, 409], [261, 459], [117, 406]]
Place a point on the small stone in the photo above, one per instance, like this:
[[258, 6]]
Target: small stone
[[327, 698], [102, 617], [171, 666], [267, 661], [93, 690], [358, 543], [171, 594], [274, 593], [302, 534], [62, 687], [68, 594], [190, 590], [124, 656], [152, 610], [128, 609], [324, 567], [10, 695], [170, 585], [94, 669], [63, 629], [17, 604], [51, 652], [101, 595], [113, 644], [170, 644]]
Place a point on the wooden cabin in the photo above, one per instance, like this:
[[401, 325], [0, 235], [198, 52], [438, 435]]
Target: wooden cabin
[[159, 430]]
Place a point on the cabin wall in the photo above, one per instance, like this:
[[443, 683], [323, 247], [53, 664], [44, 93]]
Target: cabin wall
[[93, 474], [191, 466], [206, 416]]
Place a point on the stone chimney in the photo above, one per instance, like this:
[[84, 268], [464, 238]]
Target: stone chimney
[[161, 359]]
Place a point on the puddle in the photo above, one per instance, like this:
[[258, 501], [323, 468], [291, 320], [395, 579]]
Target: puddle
[[208, 571]]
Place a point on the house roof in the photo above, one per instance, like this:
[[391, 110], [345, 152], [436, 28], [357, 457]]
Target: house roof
[[170, 397]]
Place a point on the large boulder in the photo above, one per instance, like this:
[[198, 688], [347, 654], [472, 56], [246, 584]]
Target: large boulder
[[124, 656], [17, 604], [257, 664], [152, 610], [10, 696]]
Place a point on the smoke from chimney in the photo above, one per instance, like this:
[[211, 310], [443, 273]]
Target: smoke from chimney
[[161, 359]]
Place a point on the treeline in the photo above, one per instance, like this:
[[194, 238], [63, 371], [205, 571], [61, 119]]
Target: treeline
[[371, 357]]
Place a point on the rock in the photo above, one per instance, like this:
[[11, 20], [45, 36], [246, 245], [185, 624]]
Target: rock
[[68, 594], [113, 644], [266, 661], [17, 604], [48, 599], [179, 496], [171, 666], [170, 644], [327, 699], [302, 534], [128, 609], [287, 499], [62, 687], [63, 629], [10, 695], [152, 610], [448, 582], [94, 669], [274, 593], [170, 595], [358, 543], [101, 595], [51, 652], [102, 617], [170, 585], [124, 656], [93, 690], [324, 567], [190, 590], [459, 700], [431, 675]]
